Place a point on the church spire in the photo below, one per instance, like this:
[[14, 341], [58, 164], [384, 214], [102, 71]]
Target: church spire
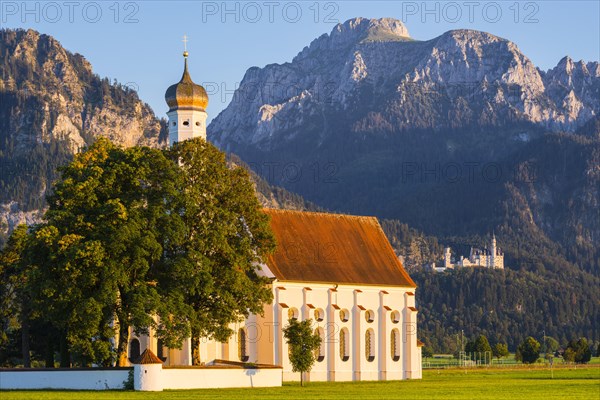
[[187, 103]]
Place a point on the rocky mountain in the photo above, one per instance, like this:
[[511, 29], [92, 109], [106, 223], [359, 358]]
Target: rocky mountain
[[52, 105], [383, 81], [456, 136]]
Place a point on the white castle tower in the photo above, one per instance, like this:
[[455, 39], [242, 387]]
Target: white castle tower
[[447, 258], [187, 107], [493, 251]]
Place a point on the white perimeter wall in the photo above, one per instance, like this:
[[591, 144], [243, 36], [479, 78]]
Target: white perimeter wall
[[64, 379], [197, 378]]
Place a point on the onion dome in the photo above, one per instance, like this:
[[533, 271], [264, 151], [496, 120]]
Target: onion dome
[[186, 94]]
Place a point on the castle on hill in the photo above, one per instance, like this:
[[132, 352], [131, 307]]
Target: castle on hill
[[489, 257]]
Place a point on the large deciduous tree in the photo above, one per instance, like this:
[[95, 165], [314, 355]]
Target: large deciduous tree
[[227, 238], [144, 238]]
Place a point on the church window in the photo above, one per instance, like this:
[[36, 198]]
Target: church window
[[242, 345], [370, 316], [320, 351], [134, 350], [395, 344], [344, 347], [293, 313], [370, 345], [197, 123], [344, 315], [174, 123], [395, 317], [186, 123], [160, 350], [319, 314]]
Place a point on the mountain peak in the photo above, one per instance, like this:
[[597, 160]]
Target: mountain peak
[[381, 29]]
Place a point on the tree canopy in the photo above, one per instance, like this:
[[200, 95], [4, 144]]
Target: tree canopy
[[529, 351], [143, 238], [578, 351], [302, 342], [500, 350]]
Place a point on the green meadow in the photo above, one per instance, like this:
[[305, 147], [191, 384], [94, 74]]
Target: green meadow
[[492, 383]]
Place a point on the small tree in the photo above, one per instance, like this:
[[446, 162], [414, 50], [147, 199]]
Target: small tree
[[478, 346], [500, 350], [551, 345], [302, 342], [578, 351], [598, 351], [529, 351], [426, 352]]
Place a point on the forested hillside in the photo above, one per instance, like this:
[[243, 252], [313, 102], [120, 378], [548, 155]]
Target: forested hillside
[[506, 306]]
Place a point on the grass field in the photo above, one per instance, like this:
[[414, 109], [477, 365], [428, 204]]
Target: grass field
[[521, 383]]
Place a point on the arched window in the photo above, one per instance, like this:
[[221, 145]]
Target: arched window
[[395, 344], [293, 313], [160, 350], [370, 316], [134, 350], [395, 316], [320, 351], [344, 345], [242, 345], [344, 315], [370, 345]]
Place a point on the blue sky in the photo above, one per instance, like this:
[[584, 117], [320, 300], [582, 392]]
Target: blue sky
[[139, 43]]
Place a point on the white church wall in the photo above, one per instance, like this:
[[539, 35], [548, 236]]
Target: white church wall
[[357, 300]]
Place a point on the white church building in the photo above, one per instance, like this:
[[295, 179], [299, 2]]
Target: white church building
[[338, 270]]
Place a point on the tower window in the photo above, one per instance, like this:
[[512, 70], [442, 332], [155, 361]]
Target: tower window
[[174, 123], [186, 123], [197, 123]]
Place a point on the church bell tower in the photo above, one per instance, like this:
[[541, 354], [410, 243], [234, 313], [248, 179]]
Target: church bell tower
[[187, 103]]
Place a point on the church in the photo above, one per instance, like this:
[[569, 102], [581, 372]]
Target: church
[[338, 270]]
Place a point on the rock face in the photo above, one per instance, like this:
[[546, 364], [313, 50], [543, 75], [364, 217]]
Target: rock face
[[366, 120], [52, 105], [461, 78], [73, 101]]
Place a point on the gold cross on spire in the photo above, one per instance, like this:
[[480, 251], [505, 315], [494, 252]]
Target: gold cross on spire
[[185, 40]]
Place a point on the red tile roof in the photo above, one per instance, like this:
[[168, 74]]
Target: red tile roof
[[148, 357], [333, 248]]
